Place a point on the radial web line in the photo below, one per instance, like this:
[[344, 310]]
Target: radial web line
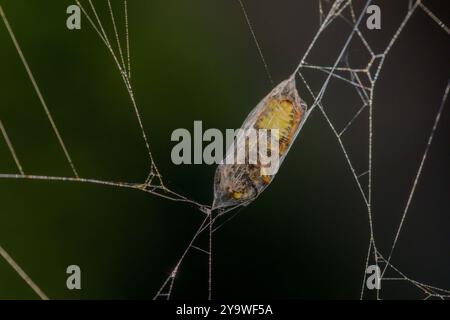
[[99, 22], [352, 120], [22, 274], [116, 33], [318, 33], [207, 224], [127, 83], [419, 171], [258, 46], [340, 142], [435, 19], [127, 36], [335, 75], [339, 58], [156, 190], [170, 279], [37, 90], [11, 148]]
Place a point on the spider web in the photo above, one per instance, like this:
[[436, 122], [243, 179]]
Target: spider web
[[361, 79]]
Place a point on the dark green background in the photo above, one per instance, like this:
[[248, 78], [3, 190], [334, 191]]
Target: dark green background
[[305, 237]]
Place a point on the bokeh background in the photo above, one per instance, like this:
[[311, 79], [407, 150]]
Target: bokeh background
[[305, 237]]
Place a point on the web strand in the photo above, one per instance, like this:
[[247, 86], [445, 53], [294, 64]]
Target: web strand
[[11, 148], [103, 36], [22, 274], [420, 169], [367, 95], [116, 33], [340, 70], [127, 36], [38, 91], [258, 46]]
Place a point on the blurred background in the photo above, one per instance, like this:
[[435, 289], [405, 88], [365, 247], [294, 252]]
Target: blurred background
[[306, 236]]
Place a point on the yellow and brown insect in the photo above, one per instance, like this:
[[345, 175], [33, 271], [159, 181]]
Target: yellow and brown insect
[[282, 113]]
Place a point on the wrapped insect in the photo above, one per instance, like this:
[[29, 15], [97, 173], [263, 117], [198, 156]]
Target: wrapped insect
[[245, 172]]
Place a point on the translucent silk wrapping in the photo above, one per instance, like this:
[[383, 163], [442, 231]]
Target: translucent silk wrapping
[[282, 114]]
